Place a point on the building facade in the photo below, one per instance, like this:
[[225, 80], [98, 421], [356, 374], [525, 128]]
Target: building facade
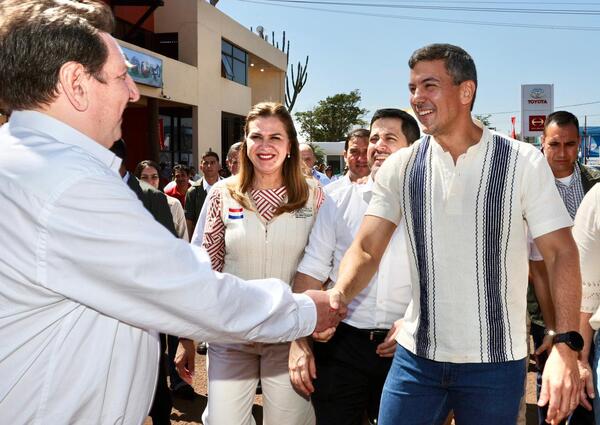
[[198, 72]]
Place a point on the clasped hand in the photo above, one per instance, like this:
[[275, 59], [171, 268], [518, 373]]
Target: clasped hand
[[331, 309]]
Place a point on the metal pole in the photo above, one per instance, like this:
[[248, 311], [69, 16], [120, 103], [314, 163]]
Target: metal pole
[[586, 147]]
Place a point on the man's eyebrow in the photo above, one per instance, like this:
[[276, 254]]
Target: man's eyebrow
[[430, 79]]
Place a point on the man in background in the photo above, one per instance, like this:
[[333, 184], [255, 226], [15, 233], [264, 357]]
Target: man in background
[[181, 176], [560, 145], [355, 157], [309, 159], [196, 194]]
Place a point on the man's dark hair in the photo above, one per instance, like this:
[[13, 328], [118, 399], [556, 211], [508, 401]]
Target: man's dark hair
[[119, 148], [561, 119], [356, 134], [181, 167], [458, 62], [37, 37], [210, 153], [410, 128]]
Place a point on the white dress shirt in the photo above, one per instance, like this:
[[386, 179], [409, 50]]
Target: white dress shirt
[[338, 183], [88, 278], [386, 297]]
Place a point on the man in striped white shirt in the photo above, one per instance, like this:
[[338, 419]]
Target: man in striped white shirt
[[467, 195]]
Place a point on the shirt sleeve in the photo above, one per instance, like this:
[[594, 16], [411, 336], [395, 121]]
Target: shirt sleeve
[[387, 190], [587, 236], [543, 208], [99, 247], [213, 239], [318, 254]]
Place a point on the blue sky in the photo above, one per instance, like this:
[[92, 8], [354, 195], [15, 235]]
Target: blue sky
[[370, 53]]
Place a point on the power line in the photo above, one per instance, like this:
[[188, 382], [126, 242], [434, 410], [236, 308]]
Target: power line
[[561, 3], [444, 8], [421, 19]]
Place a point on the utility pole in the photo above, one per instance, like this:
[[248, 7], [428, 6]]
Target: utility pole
[[586, 148]]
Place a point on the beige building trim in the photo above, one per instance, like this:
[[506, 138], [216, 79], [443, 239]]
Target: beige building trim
[[201, 28]]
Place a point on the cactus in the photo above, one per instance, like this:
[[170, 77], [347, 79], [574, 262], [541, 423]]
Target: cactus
[[297, 83]]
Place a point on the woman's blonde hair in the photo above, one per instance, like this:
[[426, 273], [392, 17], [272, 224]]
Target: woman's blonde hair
[[293, 178]]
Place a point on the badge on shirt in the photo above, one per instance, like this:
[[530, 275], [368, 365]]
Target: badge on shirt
[[304, 212], [236, 213]]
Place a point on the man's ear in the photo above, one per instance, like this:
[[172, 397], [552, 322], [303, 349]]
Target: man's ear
[[74, 84], [467, 92]]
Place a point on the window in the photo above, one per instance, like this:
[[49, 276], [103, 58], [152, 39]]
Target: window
[[176, 138], [234, 63]]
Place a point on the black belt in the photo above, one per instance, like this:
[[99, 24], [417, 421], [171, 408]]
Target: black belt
[[375, 335]]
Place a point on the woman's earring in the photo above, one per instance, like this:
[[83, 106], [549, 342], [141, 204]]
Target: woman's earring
[[288, 155]]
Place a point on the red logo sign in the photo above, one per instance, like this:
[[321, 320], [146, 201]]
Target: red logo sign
[[536, 122]]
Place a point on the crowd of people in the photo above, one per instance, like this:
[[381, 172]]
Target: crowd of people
[[395, 293]]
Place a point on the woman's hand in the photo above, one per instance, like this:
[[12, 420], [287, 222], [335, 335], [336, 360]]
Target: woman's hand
[[185, 359], [302, 367]]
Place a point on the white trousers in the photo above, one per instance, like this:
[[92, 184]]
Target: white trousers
[[233, 373]]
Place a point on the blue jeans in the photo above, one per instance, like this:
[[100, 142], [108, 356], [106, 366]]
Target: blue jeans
[[419, 391]]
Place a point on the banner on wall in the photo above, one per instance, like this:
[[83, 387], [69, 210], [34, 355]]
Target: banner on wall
[[537, 102], [146, 69]]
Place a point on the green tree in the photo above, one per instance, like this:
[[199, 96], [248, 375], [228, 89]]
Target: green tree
[[319, 153], [332, 118], [485, 119]]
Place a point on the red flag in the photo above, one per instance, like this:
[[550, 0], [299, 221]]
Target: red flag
[[513, 131]]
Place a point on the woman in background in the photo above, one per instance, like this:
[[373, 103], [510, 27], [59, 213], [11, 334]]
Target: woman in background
[[148, 171]]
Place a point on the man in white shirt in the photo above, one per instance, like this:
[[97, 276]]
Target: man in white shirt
[[466, 195], [90, 277], [355, 156], [197, 193], [352, 366], [308, 156], [233, 164]]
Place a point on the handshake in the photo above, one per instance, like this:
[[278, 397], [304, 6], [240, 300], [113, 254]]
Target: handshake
[[331, 309]]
